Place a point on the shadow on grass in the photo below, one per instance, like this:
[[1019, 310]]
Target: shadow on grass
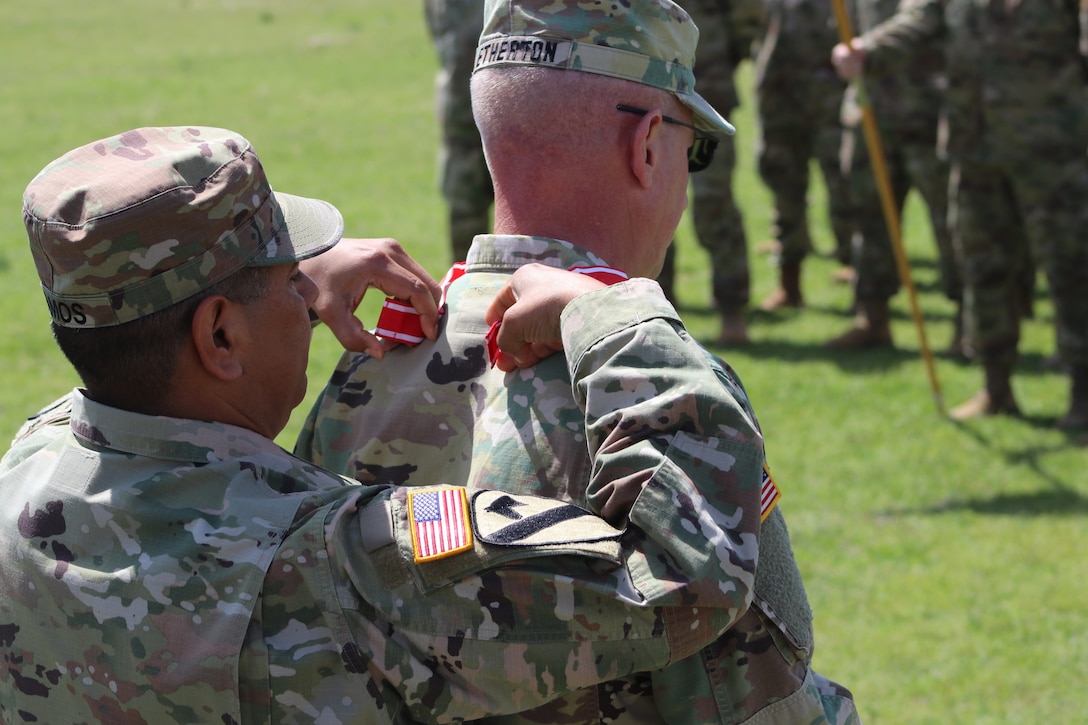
[[862, 362], [1061, 499], [1059, 502], [1029, 364]]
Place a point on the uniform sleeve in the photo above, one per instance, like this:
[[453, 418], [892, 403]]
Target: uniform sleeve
[[510, 633], [747, 24], [891, 43], [48, 424], [675, 452], [677, 472]]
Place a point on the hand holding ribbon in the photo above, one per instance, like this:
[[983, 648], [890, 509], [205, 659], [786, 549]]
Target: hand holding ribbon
[[343, 275], [524, 316]]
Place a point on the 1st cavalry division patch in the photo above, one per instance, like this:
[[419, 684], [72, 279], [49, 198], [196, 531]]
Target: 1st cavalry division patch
[[506, 519]]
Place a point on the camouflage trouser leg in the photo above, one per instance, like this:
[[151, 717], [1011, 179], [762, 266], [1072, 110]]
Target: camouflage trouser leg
[[465, 182], [840, 208], [720, 228], [929, 176], [876, 275], [783, 160], [717, 219], [989, 237], [1053, 200]]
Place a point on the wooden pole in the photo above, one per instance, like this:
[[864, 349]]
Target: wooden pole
[[887, 202]]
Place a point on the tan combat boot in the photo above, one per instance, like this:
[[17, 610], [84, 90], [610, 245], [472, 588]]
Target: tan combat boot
[[995, 399], [769, 246], [872, 327], [788, 293], [844, 275], [734, 329]]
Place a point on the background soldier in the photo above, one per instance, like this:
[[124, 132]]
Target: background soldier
[[727, 29], [454, 26], [800, 99], [907, 105], [1017, 127]]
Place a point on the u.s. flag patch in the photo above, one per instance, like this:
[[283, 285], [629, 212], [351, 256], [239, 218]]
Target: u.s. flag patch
[[769, 494], [440, 522]]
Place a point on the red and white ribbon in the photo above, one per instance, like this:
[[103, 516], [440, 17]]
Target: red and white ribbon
[[399, 320]]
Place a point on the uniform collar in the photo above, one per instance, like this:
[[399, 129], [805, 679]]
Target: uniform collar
[[162, 437], [509, 251]]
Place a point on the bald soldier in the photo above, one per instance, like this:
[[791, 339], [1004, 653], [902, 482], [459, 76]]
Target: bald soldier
[[591, 124], [165, 561]]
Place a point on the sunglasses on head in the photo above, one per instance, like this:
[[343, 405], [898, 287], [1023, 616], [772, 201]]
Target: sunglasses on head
[[700, 153]]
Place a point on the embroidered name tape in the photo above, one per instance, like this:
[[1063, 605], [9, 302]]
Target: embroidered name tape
[[439, 522], [527, 50], [509, 519]]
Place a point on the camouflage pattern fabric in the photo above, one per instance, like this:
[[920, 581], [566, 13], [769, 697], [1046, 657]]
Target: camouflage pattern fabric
[[727, 30], [907, 107], [454, 26], [1017, 115], [178, 188], [166, 570], [652, 43], [799, 99], [439, 412]]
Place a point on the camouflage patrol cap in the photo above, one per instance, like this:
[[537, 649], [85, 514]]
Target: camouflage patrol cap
[[137, 222], [645, 41]]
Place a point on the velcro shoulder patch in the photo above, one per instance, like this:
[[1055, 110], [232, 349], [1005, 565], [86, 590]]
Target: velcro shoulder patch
[[769, 494], [511, 519], [439, 522]]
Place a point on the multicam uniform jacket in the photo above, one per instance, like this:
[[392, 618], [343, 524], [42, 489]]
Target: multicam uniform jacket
[[1016, 71], [438, 412], [164, 570]]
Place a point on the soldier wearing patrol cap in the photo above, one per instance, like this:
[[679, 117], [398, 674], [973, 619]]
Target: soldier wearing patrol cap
[[591, 122], [165, 561]]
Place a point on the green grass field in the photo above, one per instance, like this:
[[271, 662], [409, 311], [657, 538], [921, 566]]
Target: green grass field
[[945, 562]]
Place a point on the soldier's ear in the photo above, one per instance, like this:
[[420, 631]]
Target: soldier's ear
[[645, 147], [218, 326]]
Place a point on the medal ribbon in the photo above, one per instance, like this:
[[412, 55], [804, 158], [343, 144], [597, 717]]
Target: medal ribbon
[[399, 320]]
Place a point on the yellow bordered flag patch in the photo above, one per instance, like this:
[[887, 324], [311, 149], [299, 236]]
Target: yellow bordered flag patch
[[439, 522], [769, 494]]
